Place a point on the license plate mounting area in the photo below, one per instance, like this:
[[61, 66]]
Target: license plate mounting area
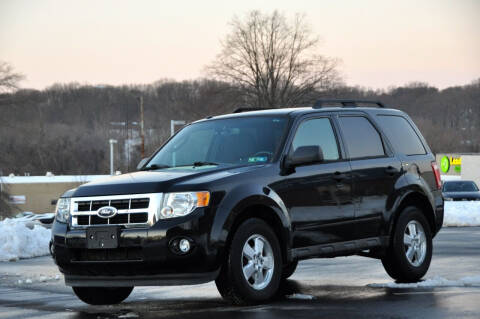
[[102, 237]]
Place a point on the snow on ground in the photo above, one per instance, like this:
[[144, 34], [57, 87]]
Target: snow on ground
[[52, 179], [41, 278], [129, 315], [462, 213], [301, 297], [472, 281], [19, 241]]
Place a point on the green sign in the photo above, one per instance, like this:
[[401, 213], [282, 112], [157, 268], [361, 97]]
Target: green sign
[[445, 164]]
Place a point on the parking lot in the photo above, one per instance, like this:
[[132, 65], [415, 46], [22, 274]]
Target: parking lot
[[350, 287]]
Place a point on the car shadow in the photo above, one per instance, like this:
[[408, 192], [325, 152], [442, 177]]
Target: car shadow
[[294, 300]]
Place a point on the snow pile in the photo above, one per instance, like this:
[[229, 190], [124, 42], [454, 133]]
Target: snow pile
[[472, 281], [462, 213], [19, 241]]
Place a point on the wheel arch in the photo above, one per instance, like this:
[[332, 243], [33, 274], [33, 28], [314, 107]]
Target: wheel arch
[[419, 200], [270, 217], [245, 202]]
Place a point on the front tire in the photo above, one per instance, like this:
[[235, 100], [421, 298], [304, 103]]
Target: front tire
[[102, 295], [289, 269], [410, 252], [253, 269]]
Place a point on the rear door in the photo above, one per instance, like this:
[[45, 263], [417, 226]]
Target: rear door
[[374, 172], [407, 146]]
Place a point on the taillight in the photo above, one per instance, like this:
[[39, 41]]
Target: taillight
[[436, 172]]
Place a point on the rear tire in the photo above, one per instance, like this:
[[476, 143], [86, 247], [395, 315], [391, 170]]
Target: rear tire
[[102, 295], [410, 253], [253, 268]]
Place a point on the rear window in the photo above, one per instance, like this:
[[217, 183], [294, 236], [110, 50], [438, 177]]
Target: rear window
[[401, 134], [361, 138]]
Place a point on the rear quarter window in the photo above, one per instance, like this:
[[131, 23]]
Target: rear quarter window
[[401, 134]]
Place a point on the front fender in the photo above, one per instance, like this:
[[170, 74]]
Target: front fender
[[237, 201]]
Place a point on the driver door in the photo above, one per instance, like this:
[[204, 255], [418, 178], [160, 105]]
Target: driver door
[[318, 195]]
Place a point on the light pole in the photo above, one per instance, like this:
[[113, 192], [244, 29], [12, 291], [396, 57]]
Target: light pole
[[172, 125], [142, 131], [112, 141]]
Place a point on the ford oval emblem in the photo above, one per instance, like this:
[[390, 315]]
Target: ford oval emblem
[[107, 212]]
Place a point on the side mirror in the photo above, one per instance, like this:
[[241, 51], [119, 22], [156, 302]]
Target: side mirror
[[142, 162], [304, 155]]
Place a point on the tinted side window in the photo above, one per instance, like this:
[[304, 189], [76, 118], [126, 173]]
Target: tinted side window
[[317, 132], [361, 138], [401, 134]]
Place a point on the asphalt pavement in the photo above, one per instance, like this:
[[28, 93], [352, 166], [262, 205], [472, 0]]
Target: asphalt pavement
[[320, 288]]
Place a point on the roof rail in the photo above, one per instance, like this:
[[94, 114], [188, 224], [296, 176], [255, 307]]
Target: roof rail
[[248, 109], [346, 103]]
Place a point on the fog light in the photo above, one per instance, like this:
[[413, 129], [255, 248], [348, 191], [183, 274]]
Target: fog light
[[184, 245]]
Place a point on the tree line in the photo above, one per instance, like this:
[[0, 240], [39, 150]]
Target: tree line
[[65, 128]]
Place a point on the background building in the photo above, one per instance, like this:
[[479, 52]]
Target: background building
[[38, 194], [462, 165]]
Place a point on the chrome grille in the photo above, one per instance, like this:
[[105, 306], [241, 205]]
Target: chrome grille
[[132, 210], [124, 218]]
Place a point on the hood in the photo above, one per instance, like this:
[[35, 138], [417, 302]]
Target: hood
[[159, 181]]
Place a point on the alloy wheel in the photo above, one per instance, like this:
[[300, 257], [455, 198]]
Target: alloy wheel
[[415, 243], [257, 262]]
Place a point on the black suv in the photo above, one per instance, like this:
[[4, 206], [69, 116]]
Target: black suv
[[241, 198]]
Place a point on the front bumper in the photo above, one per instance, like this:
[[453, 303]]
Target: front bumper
[[132, 281], [143, 257]]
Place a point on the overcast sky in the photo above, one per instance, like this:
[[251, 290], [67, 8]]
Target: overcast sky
[[381, 43]]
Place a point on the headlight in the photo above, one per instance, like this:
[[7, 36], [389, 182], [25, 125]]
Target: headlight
[[62, 212], [181, 204], [448, 199]]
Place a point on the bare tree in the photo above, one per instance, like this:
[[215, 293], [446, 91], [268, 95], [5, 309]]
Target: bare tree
[[275, 61], [8, 78], [5, 207]]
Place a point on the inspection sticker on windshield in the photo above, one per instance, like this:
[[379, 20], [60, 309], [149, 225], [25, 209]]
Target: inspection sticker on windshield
[[257, 159]]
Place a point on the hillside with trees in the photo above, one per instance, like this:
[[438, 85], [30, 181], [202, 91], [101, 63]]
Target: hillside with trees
[[65, 128]]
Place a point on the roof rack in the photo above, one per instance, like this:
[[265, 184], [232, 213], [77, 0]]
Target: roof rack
[[248, 109], [346, 103]]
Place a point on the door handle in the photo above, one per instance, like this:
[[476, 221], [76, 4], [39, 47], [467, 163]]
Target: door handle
[[338, 176], [391, 170]]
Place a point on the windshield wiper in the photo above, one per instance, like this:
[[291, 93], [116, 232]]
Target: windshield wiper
[[196, 164], [154, 166]]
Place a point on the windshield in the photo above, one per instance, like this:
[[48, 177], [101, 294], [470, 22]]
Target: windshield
[[460, 187], [246, 140]]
